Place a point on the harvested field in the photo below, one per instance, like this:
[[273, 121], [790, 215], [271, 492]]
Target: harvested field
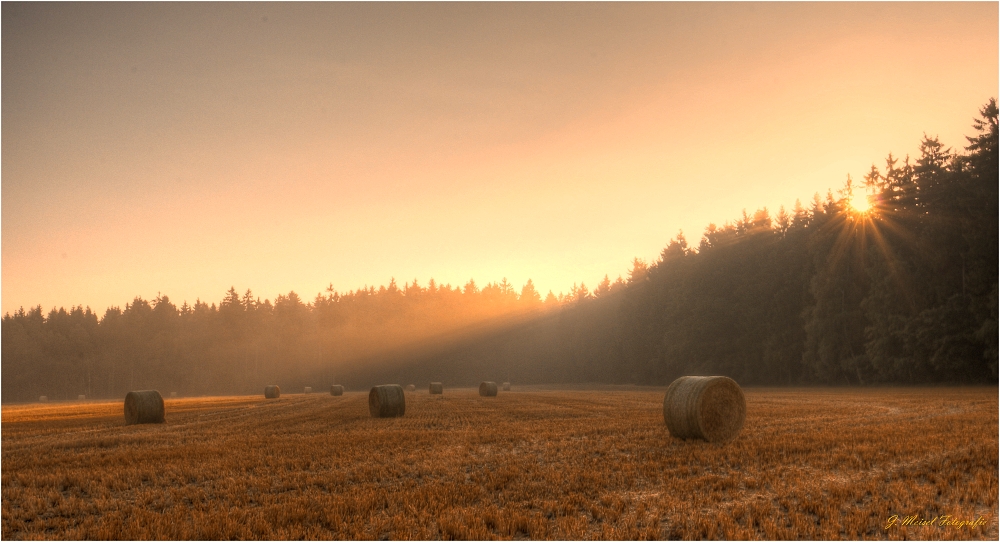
[[562, 464]]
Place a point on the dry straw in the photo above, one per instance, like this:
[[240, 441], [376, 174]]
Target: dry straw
[[488, 389], [706, 407], [143, 407], [386, 401], [336, 389], [272, 392], [437, 388], [307, 389], [506, 386], [411, 387], [43, 399]]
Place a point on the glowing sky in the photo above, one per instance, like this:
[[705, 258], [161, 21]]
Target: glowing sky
[[186, 148]]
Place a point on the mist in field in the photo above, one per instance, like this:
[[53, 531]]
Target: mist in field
[[893, 279], [505, 180]]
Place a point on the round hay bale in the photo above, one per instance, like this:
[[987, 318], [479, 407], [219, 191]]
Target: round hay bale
[[307, 389], [411, 387], [143, 407], [43, 399], [336, 389], [488, 389], [506, 386], [81, 397], [706, 407], [386, 401], [173, 394], [272, 392], [437, 388]]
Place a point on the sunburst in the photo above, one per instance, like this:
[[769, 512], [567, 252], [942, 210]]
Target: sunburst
[[860, 202]]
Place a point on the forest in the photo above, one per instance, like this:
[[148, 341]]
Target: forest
[[903, 293]]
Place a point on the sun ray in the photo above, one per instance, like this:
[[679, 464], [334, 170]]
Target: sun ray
[[893, 267]]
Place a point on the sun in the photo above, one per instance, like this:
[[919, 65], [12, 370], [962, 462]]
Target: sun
[[860, 202]]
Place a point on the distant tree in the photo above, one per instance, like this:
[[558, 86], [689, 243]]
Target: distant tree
[[782, 221], [471, 288], [529, 295], [604, 288], [638, 272]]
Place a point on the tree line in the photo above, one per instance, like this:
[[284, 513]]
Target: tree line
[[240, 343], [903, 293]]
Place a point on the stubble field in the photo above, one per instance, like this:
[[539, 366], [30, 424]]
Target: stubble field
[[530, 463]]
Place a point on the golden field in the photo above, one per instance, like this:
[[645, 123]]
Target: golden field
[[534, 463]]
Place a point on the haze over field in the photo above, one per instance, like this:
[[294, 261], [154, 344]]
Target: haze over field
[[185, 149]]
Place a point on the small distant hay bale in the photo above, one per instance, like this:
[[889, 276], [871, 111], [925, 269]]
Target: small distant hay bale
[[272, 392], [711, 408], [336, 389], [387, 401], [43, 399], [437, 388], [307, 389], [506, 386], [411, 387], [488, 389], [143, 407], [81, 397], [173, 394]]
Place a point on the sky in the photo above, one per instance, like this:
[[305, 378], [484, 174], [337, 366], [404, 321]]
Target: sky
[[185, 148]]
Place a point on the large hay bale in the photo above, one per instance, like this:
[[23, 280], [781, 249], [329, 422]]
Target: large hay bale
[[437, 388], [411, 387], [488, 389], [506, 386], [307, 389], [173, 394], [706, 407], [81, 397], [386, 401], [43, 399], [336, 389], [272, 392], [143, 407]]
